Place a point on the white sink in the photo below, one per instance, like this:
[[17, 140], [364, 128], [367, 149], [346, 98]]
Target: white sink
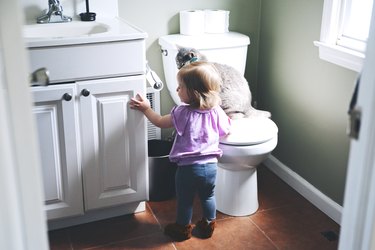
[[78, 32], [86, 50], [61, 30]]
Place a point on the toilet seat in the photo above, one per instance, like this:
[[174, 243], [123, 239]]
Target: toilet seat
[[250, 131]]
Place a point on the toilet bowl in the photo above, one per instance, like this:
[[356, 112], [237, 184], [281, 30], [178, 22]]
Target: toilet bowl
[[249, 143], [251, 139]]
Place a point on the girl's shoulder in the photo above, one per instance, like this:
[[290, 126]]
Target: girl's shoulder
[[183, 108], [186, 110]]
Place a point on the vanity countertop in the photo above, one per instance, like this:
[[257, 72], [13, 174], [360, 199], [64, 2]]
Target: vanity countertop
[[78, 32]]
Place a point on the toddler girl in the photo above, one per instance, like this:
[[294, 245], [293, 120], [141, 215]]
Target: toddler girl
[[199, 123]]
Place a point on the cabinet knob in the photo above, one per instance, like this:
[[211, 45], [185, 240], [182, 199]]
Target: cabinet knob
[[85, 92], [67, 97]]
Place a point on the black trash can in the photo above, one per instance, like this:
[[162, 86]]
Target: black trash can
[[161, 171]]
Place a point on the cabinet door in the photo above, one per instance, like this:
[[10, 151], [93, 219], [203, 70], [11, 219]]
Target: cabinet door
[[114, 153], [57, 126]]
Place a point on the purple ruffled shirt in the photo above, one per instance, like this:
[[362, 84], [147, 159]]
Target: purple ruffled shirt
[[198, 133]]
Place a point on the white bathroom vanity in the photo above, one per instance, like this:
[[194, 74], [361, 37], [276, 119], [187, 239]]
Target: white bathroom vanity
[[93, 146]]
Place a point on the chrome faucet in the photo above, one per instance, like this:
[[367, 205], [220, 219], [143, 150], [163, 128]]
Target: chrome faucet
[[54, 14]]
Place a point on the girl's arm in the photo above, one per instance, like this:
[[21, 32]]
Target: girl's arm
[[143, 105]]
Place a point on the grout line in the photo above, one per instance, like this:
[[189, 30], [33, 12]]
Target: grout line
[[292, 204], [274, 208], [264, 233], [119, 241], [161, 228], [152, 212], [174, 246], [69, 239], [130, 239]]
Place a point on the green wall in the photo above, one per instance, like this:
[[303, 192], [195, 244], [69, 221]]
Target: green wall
[[308, 97]]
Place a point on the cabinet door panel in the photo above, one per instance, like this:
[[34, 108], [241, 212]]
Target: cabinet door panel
[[114, 154], [114, 142], [57, 133], [47, 125]]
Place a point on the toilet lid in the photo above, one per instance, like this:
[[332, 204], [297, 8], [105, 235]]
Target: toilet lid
[[206, 41], [250, 131]]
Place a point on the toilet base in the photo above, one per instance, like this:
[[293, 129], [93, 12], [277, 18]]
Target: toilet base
[[237, 191]]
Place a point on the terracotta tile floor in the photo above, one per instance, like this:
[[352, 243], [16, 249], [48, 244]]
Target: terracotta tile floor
[[285, 220]]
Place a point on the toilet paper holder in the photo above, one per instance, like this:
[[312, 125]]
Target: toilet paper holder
[[153, 79]]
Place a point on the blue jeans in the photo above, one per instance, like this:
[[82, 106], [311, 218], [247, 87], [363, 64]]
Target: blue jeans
[[192, 179]]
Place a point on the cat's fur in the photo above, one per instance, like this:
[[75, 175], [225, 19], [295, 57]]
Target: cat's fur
[[235, 92]]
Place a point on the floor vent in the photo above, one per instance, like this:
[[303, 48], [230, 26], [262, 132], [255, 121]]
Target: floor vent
[[330, 235]]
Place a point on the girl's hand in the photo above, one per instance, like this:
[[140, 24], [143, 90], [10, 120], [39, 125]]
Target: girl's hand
[[139, 103], [143, 105]]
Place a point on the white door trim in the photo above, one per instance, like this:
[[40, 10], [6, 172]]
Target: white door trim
[[22, 217], [358, 221]]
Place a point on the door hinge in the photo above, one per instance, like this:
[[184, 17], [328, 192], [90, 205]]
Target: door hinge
[[354, 123]]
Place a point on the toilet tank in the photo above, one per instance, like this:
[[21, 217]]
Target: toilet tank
[[228, 48]]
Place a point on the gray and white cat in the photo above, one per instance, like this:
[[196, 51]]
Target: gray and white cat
[[235, 92]]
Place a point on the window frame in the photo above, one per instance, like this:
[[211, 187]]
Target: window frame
[[329, 48]]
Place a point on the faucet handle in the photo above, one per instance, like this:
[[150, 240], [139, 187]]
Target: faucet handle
[[40, 77], [54, 2], [54, 14]]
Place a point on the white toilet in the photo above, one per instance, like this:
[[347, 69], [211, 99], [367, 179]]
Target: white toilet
[[251, 139]]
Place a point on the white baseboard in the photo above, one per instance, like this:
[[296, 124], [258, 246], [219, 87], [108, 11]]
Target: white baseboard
[[311, 193]]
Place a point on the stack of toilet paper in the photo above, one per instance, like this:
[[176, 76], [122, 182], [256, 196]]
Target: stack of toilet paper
[[198, 22]]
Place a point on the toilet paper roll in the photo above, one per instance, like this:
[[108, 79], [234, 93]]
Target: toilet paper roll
[[192, 22], [216, 21]]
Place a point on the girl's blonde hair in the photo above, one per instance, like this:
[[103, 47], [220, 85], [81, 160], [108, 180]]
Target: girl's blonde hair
[[203, 83]]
